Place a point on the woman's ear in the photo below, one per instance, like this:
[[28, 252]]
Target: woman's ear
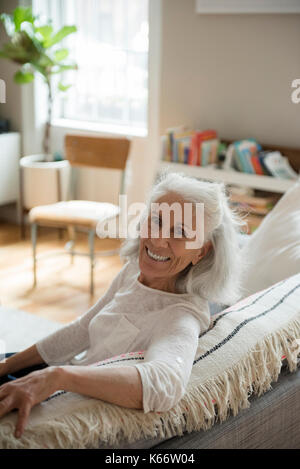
[[202, 253]]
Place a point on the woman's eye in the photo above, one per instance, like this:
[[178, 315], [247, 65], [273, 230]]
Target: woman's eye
[[179, 232], [155, 220]]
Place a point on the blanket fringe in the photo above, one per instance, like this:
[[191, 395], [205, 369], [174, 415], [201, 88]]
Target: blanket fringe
[[202, 405]]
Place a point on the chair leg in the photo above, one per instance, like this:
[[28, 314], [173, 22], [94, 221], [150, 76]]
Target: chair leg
[[33, 241], [92, 259], [22, 224], [71, 243], [21, 203]]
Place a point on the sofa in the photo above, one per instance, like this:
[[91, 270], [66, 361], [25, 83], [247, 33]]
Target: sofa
[[273, 419]]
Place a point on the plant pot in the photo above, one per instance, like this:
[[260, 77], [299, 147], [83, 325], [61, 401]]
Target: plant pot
[[43, 182]]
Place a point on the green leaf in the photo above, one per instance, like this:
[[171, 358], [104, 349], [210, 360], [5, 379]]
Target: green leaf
[[8, 24], [61, 54], [45, 61], [45, 31], [29, 29], [23, 77], [64, 68], [60, 35], [29, 39], [22, 14], [62, 87]]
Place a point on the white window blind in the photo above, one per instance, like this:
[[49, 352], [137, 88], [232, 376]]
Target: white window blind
[[111, 50]]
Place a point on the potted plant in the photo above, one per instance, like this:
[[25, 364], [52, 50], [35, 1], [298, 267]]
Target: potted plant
[[37, 49]]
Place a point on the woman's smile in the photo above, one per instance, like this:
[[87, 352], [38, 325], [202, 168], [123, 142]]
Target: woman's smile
[[156, 257]]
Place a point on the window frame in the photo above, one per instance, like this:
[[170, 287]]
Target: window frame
[[109, 128]]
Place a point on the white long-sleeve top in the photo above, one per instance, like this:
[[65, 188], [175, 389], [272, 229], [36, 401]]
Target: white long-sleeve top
[[132, 317]]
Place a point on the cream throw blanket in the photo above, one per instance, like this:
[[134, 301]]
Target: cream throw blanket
[[240, 355]]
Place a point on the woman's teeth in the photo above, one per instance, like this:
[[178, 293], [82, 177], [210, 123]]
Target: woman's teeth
[[156, 257]]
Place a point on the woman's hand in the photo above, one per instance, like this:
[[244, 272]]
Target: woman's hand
[[25, 393]]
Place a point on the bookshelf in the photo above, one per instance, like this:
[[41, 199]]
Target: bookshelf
[[261, 185], [265, 183], [257, 182]]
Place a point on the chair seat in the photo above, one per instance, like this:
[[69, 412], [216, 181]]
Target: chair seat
[[74, 213]]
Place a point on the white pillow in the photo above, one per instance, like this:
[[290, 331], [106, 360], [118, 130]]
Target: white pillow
[[274, 248]]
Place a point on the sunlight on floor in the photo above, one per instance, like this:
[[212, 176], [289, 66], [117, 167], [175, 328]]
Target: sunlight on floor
[[62, 291]]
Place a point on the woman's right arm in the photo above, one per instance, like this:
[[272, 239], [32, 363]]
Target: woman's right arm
[[56, 348], [24, 359], [64, 344]]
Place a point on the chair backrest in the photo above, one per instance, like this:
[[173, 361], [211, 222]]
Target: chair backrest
[[97, 152]]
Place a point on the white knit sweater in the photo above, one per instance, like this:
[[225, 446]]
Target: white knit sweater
[[132, 317]]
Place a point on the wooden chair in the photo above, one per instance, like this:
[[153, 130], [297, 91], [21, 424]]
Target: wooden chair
[[82, 151]]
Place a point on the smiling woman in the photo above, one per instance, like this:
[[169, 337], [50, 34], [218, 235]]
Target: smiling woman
[[163, 254], [157, 303], [218, 276]]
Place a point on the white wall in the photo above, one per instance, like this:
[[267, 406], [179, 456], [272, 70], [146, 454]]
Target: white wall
[[230, 72], [12, 108]]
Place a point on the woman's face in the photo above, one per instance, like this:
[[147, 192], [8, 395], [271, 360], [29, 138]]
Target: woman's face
[[164, 257]]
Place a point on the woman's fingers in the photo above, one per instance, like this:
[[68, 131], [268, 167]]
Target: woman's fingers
[[3, 391], [6, 406], [11, 401], [23, 415], [24, 393]]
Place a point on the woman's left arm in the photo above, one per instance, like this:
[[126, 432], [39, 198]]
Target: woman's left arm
[[121, 386]]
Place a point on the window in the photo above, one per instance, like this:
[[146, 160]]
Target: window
[[111, 50]]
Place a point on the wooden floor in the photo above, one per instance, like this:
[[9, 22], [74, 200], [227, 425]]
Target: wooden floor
[[62, 291]]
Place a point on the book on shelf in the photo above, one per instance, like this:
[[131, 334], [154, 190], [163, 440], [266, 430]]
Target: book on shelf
[[258, 169], [245, 151], [279, 166], [173, 136], [261, 157], [247, 156], [209, 138], [203, 148], [253, 199], [187, 146], [252, 204]]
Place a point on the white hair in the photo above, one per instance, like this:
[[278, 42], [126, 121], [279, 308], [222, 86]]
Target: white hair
[[217, 276]]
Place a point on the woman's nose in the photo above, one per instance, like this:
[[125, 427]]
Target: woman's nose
[[160, 242]]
